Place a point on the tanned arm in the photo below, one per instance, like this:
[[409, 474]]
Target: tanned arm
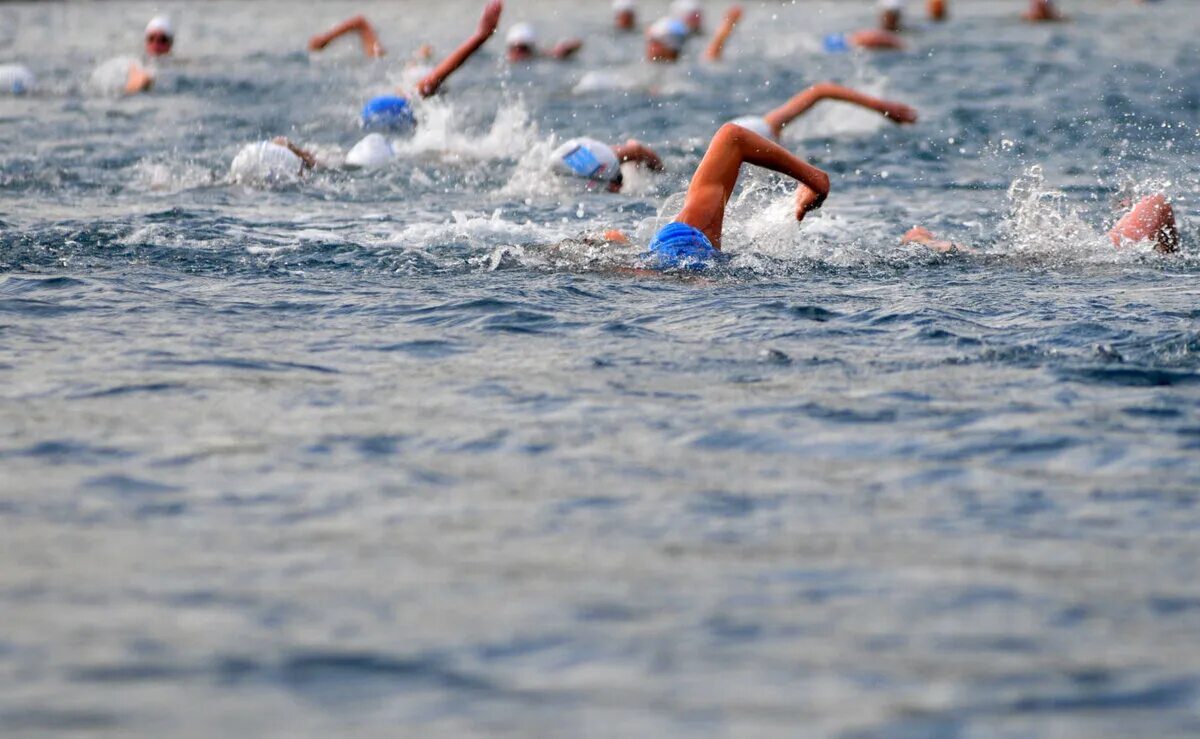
[[487, 26], [716, 47], [358, 24]]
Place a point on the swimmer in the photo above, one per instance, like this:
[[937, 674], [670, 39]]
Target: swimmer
[[937, 10], [889, 15], [665, 39], [871, 39], [359, 25], [772, 124], [1042, 11], [160, 36], [599, 163], [273, 162], [1151, 219], [522, 45], [693, 239], [624, 15], [690, 14]]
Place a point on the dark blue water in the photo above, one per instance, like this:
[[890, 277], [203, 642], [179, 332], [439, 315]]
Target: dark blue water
[[401, 453]]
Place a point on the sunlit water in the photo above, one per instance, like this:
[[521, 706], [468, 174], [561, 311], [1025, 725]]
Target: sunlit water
[[402, 452]]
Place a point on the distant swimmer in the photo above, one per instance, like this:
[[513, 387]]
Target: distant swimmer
[[889, 15], [1042, 11], [666, 37], [16, 79], [274, 162], [599, 163], [937, 10], [624, 15], [690, 13], [159, 36], [871, 39], [522, 45], [693, 239], [772, 124], [1149, 220]]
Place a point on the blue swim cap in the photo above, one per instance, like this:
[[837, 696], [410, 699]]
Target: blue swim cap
[[388, 113], [835, 43], [680, 245]]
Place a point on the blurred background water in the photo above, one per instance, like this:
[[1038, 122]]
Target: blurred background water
[[399, 452]]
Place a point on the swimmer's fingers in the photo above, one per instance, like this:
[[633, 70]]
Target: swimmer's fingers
[[900, 113], [807, 200], [490, 18]]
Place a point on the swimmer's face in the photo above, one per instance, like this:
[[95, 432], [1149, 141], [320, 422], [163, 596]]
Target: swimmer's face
[[656, 51], [625, 20], [693, 20], [521, 52], [158, 43]]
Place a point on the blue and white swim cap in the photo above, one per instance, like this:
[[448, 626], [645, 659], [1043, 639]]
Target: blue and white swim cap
[[16, 79], [670, 32], [680, 246], [388, 113], [836, 43], [586, 158]]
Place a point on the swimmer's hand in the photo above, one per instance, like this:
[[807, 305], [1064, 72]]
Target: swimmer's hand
[[307, 157], [808, 199], [924, 237], [566, 49], [733, 15], [899, 113], [490, 18]]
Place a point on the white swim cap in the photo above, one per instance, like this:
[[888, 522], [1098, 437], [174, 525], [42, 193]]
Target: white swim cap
[[160, 24], [587, 158], [623, 6], [267, 163], [110, 77], [891, 4], [16, 79], [372, 151], [757, 124], [684, 8], [670, 32], [522, 34]]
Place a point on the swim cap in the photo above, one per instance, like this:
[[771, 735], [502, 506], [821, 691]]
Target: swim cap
[[388, 113], [16, 79], [670, 32], [265, 162], [160, 24], [587, 158], [521, 34], [836, 43], [891, 4], [684, 8], [373, 151], [623, 6], [678, 245], [757, 124]]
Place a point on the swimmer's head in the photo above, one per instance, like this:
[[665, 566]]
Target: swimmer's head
[[16, 79], [388, 113], [160, 36], [890, 14], [664, 40], [521, 42], [680, 246], [588, 159], [836, 43], [624, 14], [690, 12]]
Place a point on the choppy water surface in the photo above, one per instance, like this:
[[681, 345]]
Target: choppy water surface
[[399, 452]]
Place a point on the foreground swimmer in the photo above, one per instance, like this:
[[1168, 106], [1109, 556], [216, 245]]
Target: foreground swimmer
[[693, 239], [1151, 219], [1042, 11], [772, 124], [522, 45], [600, 163]]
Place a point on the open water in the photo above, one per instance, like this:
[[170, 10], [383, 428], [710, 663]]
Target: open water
[[401, 453]]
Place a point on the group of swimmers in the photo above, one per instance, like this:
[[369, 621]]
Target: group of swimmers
[[693, 239]]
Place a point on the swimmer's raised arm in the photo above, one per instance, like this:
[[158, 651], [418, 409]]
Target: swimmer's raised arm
[[306, 156], [487, 26], [716, 47], [715, 178], [798, 105], [358, 24], [566, 49], [638, 153]]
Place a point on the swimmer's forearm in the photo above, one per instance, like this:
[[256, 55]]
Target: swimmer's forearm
[[358, 24], [566, 49], [487, 26], [767, 154], [717, 46], [638, 153]]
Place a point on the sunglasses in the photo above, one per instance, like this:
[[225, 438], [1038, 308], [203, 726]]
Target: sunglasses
[[158, 38]]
